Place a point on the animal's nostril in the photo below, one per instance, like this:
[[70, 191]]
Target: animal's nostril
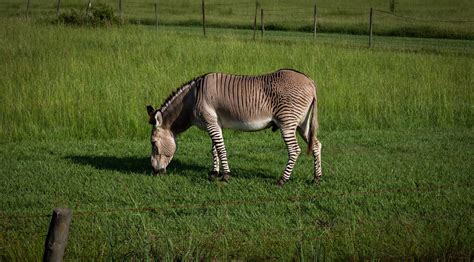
[[158, 171]]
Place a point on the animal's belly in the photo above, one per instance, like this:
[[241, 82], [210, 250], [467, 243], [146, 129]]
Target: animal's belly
[[246, 125]]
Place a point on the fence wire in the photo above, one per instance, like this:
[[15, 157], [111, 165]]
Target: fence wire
[[250, 202], [300, 235], [422, 20], [274, 8]]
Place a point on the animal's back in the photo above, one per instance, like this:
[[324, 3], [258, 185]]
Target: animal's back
[[253, 102]]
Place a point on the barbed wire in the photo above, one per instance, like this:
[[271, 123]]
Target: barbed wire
[[217, 203], [232, 4], [302, 235], [310, 231], [285, 9], [422, 20], [288, 15], [280, 7]]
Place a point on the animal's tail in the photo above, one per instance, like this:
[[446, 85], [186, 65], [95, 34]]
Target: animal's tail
[[314, 125]]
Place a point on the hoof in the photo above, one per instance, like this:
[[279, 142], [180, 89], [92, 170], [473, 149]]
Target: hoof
[[317, 181], [213, 175], [225, 177], [280, 182]]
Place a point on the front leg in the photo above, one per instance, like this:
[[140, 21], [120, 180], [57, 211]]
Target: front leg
[[215, 132], [214, 173]]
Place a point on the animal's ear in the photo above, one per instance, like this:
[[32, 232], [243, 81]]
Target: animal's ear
[[158, 118], [151, 114], [150, 110]]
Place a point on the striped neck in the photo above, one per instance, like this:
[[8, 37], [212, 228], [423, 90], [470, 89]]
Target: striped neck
[[177, 108]]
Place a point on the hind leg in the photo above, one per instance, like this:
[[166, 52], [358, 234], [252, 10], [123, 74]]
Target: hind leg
[[289, 136], [315, 149], [317, 160]]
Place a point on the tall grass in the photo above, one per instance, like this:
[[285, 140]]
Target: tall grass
[[60, 82], [342, 16]]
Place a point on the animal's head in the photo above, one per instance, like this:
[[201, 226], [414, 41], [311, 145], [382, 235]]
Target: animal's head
[[163, 143]]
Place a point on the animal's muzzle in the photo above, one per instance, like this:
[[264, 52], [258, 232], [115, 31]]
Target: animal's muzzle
[[158, 171]]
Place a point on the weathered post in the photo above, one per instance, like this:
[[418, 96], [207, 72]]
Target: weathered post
[[89, 5], [370, 27], [261, 21], [156, 14], [120, 12], [57, 234], [314, 22], [255, 20], [27, 9], [57, 7], [203, 18]]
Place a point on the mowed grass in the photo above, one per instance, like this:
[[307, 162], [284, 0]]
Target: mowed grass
[[385, 195], [422, 18], [396, 127]]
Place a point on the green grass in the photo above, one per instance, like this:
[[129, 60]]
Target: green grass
[[396, 127], [421, 18], [62, 82], [385, 194]]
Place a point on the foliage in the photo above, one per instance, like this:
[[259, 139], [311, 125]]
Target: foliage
[[97, 15]]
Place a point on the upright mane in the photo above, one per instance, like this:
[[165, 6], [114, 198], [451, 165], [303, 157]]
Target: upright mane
[[169, 100]]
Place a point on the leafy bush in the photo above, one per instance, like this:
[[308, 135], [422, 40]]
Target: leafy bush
[[98, 15]]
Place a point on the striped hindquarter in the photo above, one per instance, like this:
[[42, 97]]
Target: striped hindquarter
[[285, 99]]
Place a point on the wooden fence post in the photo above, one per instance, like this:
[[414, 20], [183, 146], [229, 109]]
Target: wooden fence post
[[314, 22], [261, 21], [203, 18], [156, 14], [370, 27], [120, 12], [392, 6], [27, 9], [89, 5], [255, 20], [57, 7], [58, 231]]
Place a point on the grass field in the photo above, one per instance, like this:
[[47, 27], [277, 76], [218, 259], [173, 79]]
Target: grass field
[[422, 18], [396, 127], [60, 82], [385, 195]]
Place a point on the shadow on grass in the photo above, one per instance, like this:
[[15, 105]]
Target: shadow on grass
[[142, 166], [136, 165]]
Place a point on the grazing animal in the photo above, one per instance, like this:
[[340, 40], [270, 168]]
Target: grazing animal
[[285, 100]]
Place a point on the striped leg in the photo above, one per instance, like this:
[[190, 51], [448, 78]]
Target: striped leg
[[315, 148], [215, 164], [317, 160], [289, 136], [215, 132], [215, 159]]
